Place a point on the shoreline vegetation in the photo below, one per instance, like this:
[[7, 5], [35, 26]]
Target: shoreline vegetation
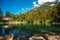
[[19, 22]]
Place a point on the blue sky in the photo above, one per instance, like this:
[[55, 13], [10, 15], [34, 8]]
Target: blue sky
[[17, 6]]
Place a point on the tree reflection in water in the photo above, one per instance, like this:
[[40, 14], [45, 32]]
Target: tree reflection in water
[[28, 29]]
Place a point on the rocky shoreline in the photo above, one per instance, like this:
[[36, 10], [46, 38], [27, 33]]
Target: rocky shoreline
[[42, 36]]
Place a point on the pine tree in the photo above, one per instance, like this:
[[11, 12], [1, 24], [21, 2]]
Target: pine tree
[[1, 15]]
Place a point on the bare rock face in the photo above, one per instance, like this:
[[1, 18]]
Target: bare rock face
[[54, 37], [51, 36], [7, 37], [36, 37], [10, 37], [1, 37]]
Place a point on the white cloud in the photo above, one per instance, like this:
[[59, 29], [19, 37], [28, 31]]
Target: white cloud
[[44, 1], [59, 0], [25, 9], [35, 4], [40, 2], [22, 9]]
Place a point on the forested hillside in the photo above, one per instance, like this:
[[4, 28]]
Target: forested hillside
[[48, 12]]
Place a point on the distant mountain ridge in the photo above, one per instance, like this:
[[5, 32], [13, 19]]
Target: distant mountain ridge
[[45, 6]]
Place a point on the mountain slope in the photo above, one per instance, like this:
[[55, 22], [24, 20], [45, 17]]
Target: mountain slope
[[45, 6]]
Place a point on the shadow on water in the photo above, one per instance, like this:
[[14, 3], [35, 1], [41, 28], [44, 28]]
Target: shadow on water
[[27, 29]]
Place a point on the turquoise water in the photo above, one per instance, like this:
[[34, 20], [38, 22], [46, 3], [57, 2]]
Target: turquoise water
[[28, 29]]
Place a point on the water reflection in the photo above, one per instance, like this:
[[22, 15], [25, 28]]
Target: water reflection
[[15, 32], [27, 29], [3, 31]]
